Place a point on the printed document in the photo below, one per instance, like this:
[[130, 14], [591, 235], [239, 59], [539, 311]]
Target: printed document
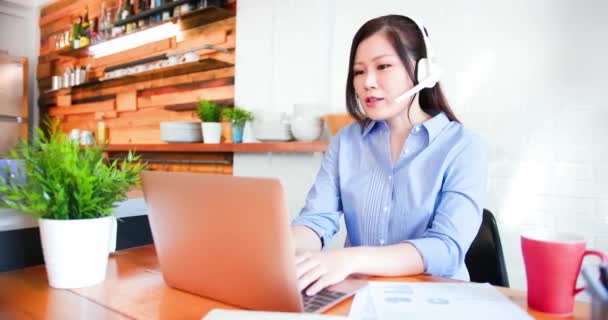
[[433, 300]]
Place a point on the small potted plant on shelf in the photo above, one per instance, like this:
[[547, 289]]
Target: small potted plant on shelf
[[237, 118], [72, 190], [210, 113]]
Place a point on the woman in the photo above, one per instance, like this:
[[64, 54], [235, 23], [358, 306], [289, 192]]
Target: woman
[[408, 177]]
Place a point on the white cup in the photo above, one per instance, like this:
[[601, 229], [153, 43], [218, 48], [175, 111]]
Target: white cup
[[74, 135], [86, 137]]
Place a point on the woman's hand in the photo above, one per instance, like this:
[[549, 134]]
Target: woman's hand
[[322, 269]]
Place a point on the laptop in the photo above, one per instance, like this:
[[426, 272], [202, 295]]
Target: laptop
[[228, 239]]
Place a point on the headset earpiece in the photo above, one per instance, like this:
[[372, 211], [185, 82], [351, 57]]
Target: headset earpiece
[[427, 71]]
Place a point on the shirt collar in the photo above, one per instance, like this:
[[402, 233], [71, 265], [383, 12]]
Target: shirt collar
[[371, 124], [433, 126], [368, 127]]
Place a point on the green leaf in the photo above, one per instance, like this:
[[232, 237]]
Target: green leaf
[[236, 115], [65, 181], [209, 111]]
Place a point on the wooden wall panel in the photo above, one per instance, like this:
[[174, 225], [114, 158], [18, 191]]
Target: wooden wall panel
[[199, 168], [132, 108], [79, 121], [44, 70], [221, 93], [126, 101], [146, 118], [157, 83], [106, 105], [64, 100], [141, 134]]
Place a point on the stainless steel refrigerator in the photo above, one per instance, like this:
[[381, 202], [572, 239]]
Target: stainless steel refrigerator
[[13, 101]]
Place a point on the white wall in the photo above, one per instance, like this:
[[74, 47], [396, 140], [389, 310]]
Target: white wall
[[526, 75]]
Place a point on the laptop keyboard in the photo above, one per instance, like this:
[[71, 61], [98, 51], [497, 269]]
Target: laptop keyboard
[[320, 300]]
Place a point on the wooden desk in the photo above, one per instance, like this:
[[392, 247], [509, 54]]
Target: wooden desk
[[134, 289]]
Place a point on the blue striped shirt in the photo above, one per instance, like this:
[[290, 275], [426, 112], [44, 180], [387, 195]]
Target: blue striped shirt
[[432, 197]]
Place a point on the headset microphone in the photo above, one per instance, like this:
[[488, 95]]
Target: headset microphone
[[429, 82], [428, 72]]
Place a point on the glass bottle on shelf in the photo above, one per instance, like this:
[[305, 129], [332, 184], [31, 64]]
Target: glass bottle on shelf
[[85, 32], [132, 13], [201, 4], [166, 13], [152, 5], [126, 12], [177, 11], [55, 42], [185, 8], [94, 30], [66, 38], [141, 7], [76, 33], [101, 132], [101, 24], [106, 22], [117, 30]]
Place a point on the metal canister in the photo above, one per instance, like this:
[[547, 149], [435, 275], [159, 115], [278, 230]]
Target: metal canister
[[57, 82], [66, 79]]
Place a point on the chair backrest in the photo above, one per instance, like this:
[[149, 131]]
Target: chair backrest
[[485, 259]]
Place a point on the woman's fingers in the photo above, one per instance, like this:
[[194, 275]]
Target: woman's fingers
[[305, 266], [310, 277], [320, 284], [302, 257]]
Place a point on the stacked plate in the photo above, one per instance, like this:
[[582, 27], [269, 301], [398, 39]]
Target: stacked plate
[[271, 126], [180, 131]]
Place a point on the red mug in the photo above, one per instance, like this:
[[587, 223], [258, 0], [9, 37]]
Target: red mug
[[553, 261]]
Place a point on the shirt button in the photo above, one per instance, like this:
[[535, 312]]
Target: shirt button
[[382, 241], [385, 208], [390, 177], [417, 129], [407, 151]]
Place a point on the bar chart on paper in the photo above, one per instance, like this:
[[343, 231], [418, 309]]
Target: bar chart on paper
[[400, 300]]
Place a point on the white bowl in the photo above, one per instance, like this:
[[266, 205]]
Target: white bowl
[[180, 131], [307, 130]]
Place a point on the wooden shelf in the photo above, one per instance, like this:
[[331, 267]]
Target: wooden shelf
[[207, 15], [150, 12], [76, 53], [176, 70], [194, 105], [294, 146]]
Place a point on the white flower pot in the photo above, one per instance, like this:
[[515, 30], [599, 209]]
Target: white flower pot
[[212, 132], [75, 251], [113, 235]]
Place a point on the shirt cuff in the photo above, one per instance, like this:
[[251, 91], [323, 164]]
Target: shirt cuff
[[317, 229], [429, 248]]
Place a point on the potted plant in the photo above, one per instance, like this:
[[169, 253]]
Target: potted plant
[[72, 190], [237, 117], [210, 113]]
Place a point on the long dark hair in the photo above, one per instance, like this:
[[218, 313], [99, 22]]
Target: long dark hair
[[406, 38]]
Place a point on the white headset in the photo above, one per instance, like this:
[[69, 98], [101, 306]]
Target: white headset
[[428, 72]]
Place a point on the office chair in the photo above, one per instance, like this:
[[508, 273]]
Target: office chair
[[485, 259]]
